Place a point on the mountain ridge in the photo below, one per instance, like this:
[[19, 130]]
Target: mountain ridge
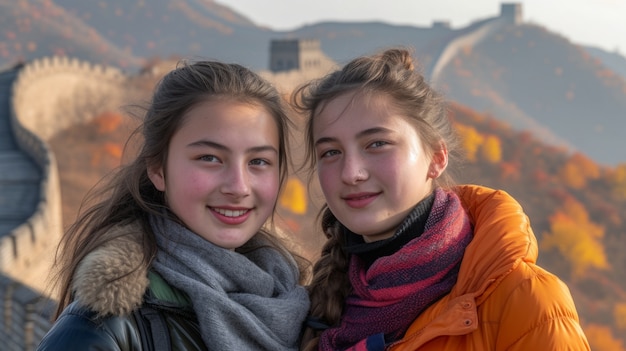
[[582, 109]]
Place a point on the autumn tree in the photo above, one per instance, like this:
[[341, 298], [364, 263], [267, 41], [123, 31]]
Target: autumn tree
[[577, 170], [617, 180], [619, 314], [491, 150], [471, 140], [601, 338], [576, 237], [108, 122], [294, 197], [510, 171]]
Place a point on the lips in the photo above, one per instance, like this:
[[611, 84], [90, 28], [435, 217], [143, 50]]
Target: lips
[[360, 200], [229, 216]]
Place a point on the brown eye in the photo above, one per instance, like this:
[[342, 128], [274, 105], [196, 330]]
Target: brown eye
[[208, 158], [259, 162]]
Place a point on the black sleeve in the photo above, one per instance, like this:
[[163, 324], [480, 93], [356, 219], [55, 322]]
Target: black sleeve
[[84, 331]]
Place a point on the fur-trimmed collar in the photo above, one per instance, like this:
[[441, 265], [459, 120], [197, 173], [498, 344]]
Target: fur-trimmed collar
[[112, 279]]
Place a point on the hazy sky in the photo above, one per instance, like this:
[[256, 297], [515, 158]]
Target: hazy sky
[[600, 23]]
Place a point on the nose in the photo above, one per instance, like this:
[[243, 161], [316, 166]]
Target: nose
[[353, 170], [236, 182]]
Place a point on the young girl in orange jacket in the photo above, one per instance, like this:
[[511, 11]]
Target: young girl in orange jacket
[[412, 262]]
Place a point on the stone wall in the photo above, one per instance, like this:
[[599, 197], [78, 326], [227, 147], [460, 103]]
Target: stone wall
[[48, 96], [64, 90], [25, 316]]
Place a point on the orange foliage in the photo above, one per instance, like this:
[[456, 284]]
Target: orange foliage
[[576, 237], [510, 170], [108, 122], [491, 149], [470, 140], [578, 169], [294, 197], [619, 314], [570, 174], [467, 112], [540, 176], [617, 179], [113, 150], [525, 137], [601, 339]]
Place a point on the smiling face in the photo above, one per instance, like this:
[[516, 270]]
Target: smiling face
[[371, 164], [222, 173]]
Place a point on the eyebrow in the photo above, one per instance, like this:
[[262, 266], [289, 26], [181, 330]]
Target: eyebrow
[[212, 144], [361, 134]]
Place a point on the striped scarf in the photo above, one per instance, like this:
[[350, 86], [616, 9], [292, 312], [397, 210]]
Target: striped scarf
[[387, 297]]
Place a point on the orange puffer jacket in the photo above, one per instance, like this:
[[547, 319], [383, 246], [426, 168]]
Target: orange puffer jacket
[[502, 300]]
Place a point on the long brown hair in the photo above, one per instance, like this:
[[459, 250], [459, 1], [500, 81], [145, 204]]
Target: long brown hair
[[392, 73], [129, 195]]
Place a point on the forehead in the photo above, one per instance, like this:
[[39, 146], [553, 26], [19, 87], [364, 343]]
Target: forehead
[[228, 119], [357, 110]]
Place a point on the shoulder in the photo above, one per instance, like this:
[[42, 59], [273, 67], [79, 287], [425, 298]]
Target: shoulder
[[530, 286], [533, 305], [81, 328], [503, 238], [112, 279]]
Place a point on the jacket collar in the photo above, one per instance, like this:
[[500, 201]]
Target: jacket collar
[[503, 239], [164, 293], [112, 279]]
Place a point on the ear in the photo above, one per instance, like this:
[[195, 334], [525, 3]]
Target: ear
[[439, 161], [157, 177]]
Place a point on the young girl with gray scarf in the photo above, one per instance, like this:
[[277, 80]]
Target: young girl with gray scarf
[[177, 254]]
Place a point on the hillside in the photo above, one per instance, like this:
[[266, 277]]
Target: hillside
[[127, 33], [525, 75], [613, 60], [36, 29], [166, 28], [539, 81]]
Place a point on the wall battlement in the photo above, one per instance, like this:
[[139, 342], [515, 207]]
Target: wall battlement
[[67, 92]]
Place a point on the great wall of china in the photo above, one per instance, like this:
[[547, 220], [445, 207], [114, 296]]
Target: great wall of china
[[41, 95], [42, 98]]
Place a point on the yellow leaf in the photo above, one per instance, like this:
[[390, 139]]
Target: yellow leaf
[[294, 197]]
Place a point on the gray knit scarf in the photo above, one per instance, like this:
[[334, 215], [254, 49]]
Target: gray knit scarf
[[246, 301]]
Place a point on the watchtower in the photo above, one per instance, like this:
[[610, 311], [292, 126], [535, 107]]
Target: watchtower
[[295, 54], [512, 12], [441, 25]]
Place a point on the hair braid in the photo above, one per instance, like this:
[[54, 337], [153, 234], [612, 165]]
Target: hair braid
[[330, 285]]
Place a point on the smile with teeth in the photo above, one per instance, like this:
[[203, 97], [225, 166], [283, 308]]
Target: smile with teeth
[[230, 213]]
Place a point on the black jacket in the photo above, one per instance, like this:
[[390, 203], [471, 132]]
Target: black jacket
[[137, 312], [153, 326]]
